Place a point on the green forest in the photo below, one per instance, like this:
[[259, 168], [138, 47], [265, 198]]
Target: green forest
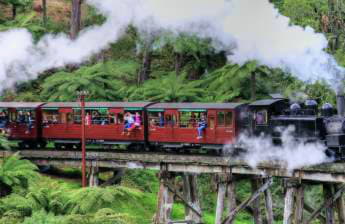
[[167, 68]]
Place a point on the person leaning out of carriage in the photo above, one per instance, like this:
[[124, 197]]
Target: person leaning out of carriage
[[202, 124]]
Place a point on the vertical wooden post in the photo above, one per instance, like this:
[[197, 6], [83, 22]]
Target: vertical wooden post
[[299, 204], [288, 207], [190, 193], [231, 197], [220, 199], [269, 207], [165, 199], [340, 206], [329, 211], [256, 182], [93, 177]]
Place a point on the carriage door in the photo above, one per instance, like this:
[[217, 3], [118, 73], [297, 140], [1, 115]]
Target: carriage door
[[224, 129], [170, 119], [211, 126]]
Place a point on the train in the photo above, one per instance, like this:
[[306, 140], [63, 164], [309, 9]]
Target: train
[[170, 126]]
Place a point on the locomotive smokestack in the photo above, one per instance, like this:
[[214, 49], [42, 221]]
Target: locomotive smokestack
[[341, 102]]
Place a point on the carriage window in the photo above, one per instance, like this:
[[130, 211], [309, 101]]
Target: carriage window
[[51, 117], [220, 118], [69, 117], [188, 119], [13, 116], [119, 119], [22, 116], [136, 115], [228, 119], [156, 119], [261, 117]]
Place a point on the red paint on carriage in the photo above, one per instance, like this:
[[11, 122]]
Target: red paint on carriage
[[62, 121], [17, 120], [181, 122]]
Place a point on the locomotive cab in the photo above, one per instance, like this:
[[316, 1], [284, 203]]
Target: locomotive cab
[[261, 113]]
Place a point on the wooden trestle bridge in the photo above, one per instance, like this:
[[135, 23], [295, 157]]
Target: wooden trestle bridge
[[330, 176]]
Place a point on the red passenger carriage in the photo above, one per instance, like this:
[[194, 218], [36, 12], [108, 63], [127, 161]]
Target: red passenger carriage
[[62, 123], [22, 121], [174, 125]]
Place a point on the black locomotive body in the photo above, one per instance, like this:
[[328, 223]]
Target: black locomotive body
[[304, 122]]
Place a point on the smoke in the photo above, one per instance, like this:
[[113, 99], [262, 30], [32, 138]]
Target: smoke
[[291, 154], [245, 29]]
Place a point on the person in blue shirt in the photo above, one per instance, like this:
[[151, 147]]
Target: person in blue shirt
[[161, 119], [202, 124]]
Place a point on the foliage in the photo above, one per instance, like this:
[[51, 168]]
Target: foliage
[[103, 81], [16, 172], [172, 88], [306, 12], [92, 199]]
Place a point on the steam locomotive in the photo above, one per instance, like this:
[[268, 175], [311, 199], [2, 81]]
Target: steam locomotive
[[171, 126]]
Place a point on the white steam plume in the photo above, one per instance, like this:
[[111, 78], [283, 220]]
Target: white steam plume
[[291, 154], [246, 29]]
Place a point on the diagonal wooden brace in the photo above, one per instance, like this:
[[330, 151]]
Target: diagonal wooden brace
[[189, 205], [326, 204], [248, 201]]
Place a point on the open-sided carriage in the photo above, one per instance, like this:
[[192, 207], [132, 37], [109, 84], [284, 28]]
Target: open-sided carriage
[[22, 122], [105, 123]]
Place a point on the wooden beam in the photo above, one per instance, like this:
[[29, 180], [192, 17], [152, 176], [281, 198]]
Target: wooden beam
[[220, 201], [231, 193], [299, 204], [234, 212], [288, 205], [329, 211], [326, 203], [190, 192], [340, 206], [310, 210], [93, 177], [172, 189], [165, 199], [269, 206], [255, 183]]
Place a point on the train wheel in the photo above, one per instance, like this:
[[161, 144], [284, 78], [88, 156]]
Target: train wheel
[[21, 145], [41, 145], [58, 146]]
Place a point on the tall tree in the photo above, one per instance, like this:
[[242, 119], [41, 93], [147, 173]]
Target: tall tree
[[75, 18], [146, 57]]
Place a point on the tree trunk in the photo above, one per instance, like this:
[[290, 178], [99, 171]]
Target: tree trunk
[[178, 62], [14, 11], [145, 70], [44, 12], [75, 18], [253, 86]]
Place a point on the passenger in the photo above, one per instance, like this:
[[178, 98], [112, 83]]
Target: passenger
[[30, 122], [45, 122], [137, 122], [21, 117], [3, 120], [202, 124], [153, 123], [88, 119], [129, 122], [55, 120], [161, 119], [192, 120]]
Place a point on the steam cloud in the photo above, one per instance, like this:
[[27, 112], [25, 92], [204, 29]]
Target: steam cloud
[[246, 29], [291, 154]]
